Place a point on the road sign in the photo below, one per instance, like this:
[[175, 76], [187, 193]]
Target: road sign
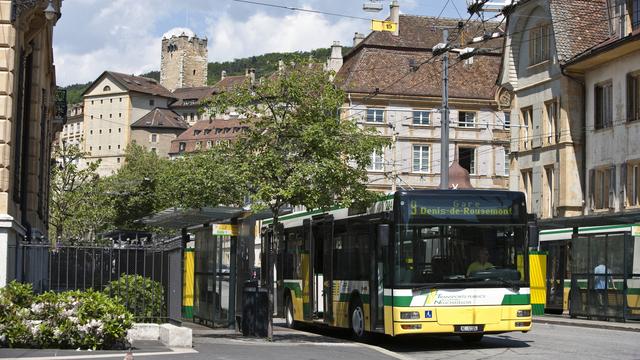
[[381, 25]]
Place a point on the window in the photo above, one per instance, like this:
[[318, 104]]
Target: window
[[196, 132], [602, 187], [603, 106], [110, 116], [154, 138], [209, 143], [152, 102], [99, 147], [192, 116], [101, 101], [421, 158], [91, 102], [118, 160], [100, 131], [527, 116], [91, 117], [527, 177], [539, 44], [507, 120], [421, 118], [550, 133], [118, 147], [111, 101], [634, 193], [120, 99], [182, 146], [106, 88], [548, 193], [633, 97], [198, 145], [109, 131], [90, 132], [100, 116], [109, 147], [375, 115], [154, 150], [506, 162], [90, 148], [634, 11], [119, 114], [466, 119], [377, 161], [467, 159], [119, 130]]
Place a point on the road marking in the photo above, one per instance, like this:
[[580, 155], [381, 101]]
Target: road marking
[[386, 352], [106, 356]]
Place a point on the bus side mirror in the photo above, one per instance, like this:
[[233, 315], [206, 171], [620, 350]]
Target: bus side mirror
[[383, 235], [533, 235]]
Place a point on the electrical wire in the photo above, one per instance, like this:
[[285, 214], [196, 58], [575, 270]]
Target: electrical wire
[[301, 9]]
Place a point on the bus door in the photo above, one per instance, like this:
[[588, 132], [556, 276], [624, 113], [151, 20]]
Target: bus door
[[556, 273], [381, 235], [320, 242], [327, 269]]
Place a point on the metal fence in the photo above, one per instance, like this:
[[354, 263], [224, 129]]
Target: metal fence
[[70, 267]]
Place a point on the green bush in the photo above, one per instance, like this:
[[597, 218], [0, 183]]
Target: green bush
[[71, 319], [142, 296]]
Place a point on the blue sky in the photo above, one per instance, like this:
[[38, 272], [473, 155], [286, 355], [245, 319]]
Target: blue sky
[[125, 35]]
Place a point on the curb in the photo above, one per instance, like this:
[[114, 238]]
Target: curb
[[598, 325]]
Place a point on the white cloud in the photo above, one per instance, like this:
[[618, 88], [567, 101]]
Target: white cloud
[[262, 33], [177, 31]]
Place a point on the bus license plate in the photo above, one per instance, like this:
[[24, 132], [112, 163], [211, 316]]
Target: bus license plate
[[469, 328]]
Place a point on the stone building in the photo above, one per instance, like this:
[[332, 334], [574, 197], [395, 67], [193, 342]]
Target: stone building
[[183, 62], [548, 141], [72, 130], [157, 129], [29, 118], [111, 105], [189, 102], [393, 84]]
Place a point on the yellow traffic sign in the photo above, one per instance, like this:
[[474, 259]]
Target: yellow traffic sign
[[381, 25]]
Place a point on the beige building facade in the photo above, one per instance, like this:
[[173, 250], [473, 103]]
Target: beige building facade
[[547, 111], [111, 105], [157, 129], [28, 120]]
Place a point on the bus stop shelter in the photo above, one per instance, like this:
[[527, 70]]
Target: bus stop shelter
[[216, 269]]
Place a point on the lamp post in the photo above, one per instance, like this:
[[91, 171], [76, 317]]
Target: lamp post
[[50, 11]]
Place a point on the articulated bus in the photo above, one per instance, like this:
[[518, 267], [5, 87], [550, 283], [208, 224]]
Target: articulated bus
[[404, 266], [574, 285]]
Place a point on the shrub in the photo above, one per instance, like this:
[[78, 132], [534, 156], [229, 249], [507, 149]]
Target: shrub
[[72, 319], [142, 296]]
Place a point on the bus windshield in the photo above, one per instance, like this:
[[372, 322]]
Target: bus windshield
[[428, 255]]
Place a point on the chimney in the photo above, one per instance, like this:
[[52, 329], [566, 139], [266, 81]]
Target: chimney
[[223, 74], [252, 75], [394, 10], [357, 39], [334, 63]]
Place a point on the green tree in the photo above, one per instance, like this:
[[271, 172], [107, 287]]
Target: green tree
[[72, 180], [135, 189], [297, 150]]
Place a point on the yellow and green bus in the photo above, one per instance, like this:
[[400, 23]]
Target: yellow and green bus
[[404, 266], [593, 271]]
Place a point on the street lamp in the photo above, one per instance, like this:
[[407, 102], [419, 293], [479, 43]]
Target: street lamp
[[50, 12]]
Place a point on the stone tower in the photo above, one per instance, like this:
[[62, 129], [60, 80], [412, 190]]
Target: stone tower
[[183, 62]]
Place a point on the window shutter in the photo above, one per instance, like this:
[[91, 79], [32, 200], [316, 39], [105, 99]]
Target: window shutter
[[630, 102], [612, 187], [499, 163], [592, 188], [623, 184]]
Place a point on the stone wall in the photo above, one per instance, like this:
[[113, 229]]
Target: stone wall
[[183, 62]]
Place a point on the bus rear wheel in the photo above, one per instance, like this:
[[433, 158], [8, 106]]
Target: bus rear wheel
[[471, 338], [288, 313], [356, 320]]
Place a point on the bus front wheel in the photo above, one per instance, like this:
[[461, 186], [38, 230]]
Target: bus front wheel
[[288, 313], [356, 319], [471, 338]]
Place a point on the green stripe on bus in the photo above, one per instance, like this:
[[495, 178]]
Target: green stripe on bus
[[295, 287], [538, 252], [517, 299], [537, 309], [397, 300], [633, 291]]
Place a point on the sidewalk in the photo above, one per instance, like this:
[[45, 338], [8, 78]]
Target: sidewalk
[[566, 320], [140, 348]]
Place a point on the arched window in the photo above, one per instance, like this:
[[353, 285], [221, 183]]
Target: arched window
[[106, 88]]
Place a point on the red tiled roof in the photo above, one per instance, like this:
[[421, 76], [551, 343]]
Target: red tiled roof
[[384, 63], [229, 82], [140, 84], [161, 118], [207, 130], [578, 25], [187, 96]]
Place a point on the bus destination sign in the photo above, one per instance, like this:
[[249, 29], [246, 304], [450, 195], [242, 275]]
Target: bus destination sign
[[461, 209]]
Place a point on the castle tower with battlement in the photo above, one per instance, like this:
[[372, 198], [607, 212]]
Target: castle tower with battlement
[[183, 62]]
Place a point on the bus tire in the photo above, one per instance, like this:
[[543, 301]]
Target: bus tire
[[288, 312], [356, 319], [471, 338]]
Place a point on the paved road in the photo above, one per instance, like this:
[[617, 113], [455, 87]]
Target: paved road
[[545, 341]]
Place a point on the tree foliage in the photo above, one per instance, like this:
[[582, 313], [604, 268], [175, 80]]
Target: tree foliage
[[297, 150]]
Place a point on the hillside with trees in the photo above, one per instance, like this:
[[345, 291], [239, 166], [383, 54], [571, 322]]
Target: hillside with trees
[[264, 65]]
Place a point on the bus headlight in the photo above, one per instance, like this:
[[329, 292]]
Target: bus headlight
[[409, 315], [523, 313]]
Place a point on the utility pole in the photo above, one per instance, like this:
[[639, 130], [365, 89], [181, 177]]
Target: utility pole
[[444, 118]]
